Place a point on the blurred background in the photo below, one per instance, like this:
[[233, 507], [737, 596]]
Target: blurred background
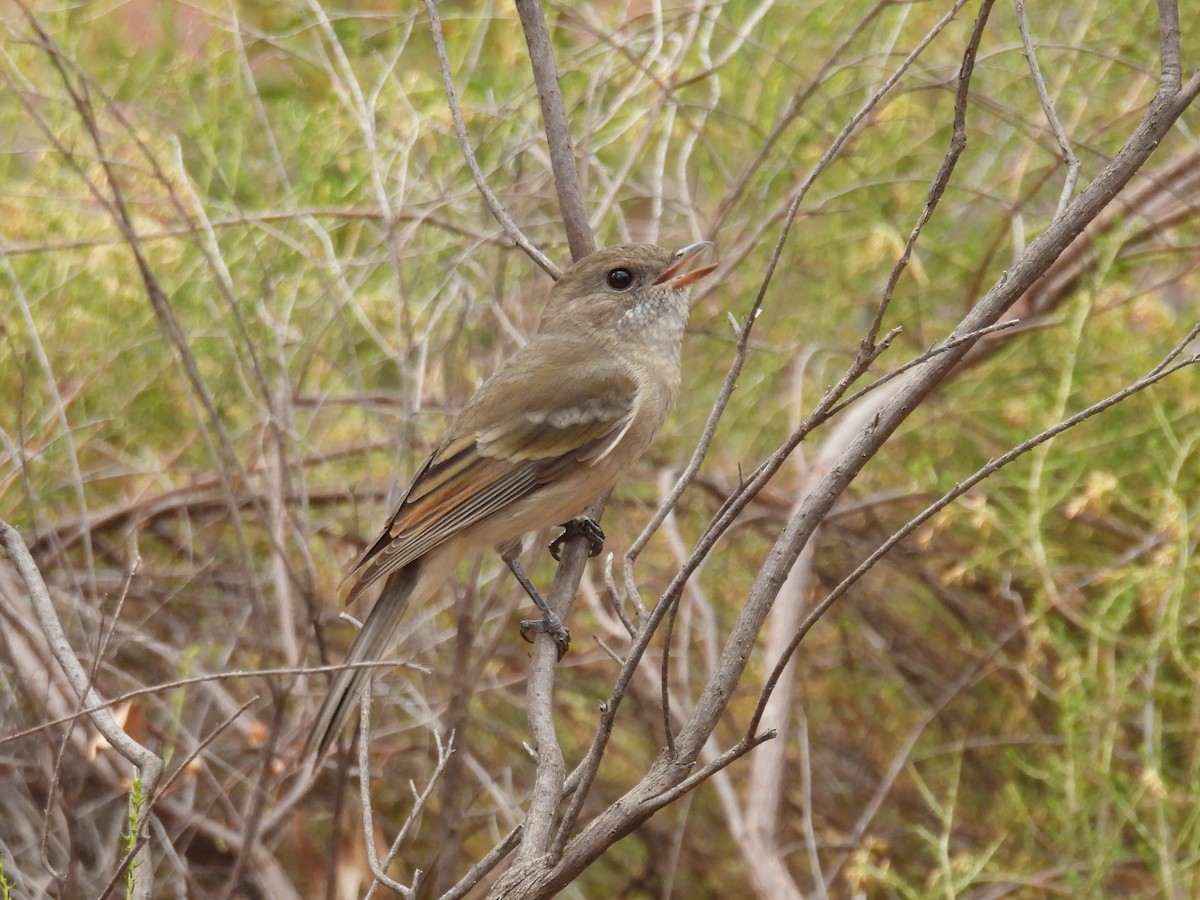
[[197, 446]]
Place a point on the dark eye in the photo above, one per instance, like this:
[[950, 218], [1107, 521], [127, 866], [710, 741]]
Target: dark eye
[[620, 279]]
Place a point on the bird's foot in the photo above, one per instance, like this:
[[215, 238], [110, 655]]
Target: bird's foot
[[579, 526], [550, 624]]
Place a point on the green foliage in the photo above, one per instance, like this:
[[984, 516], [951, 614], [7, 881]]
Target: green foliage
[[130, 836]]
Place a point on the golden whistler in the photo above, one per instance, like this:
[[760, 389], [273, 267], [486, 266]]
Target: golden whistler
[[553, 429]]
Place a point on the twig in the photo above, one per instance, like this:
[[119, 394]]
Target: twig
[[248, 217], [1170, 82], [485, 865], [740, 355], [148, 764], [464, 140], [1159, 372], [1060, 134], [958, 142], [444, 753], [701, 775], [558, 134], [938, 348], [615, 600], [99, 703], [368, 809], [664, 679]]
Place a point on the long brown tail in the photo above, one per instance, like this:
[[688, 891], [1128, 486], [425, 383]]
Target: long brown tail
[[372, 642]]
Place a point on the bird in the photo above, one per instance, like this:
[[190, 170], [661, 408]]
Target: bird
[[555, 427]]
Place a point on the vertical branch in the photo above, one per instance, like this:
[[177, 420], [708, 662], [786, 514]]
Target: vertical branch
[[554, 115], [1171, 65], [551, 768]]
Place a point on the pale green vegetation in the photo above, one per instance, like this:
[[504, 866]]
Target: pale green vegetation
[[1037, 641]]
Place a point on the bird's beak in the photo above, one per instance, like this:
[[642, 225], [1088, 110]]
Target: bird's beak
[[678, 274]]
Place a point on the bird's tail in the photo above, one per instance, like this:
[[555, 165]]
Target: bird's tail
[[373, 640]]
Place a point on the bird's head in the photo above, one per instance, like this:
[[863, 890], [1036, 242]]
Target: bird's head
[[632, 292]]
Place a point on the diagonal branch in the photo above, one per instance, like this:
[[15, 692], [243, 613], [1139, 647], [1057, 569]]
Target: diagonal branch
[[464, 140], [148, 764]]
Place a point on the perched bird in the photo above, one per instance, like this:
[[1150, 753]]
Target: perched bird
[[553, 429]]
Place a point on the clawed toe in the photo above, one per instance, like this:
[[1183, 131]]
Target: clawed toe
[[553, 626], [579, 526]]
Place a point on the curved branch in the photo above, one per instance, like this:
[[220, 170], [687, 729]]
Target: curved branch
[[149, 765]]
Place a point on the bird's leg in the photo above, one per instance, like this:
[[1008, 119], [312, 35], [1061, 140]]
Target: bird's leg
[[550, 623], [579, 526]]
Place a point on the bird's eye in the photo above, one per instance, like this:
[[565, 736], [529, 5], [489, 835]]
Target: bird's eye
[[620, 279]]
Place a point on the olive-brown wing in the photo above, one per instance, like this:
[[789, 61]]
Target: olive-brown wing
[[511, 439]]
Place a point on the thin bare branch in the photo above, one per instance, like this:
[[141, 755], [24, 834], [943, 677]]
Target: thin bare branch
[[1168, 366], [148, 764], [464, 140], [1060, 134], [724, 395], [558, 133], [444, 753]]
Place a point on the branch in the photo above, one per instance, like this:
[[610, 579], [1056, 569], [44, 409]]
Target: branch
[[148, 764], [551, 768], [1164, 109], [464, 140], [1168, 366], [1060, 134], [379, 870], [623, 816], [558, 135]]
